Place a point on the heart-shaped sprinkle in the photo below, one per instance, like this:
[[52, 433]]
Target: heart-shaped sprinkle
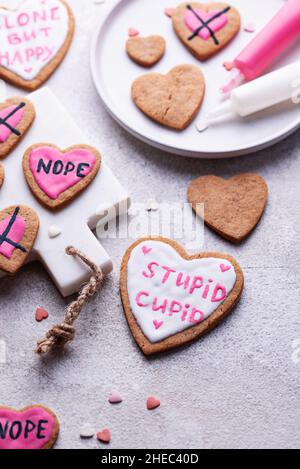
[[41, 314], [232, 207], [133, 32], [146, 51], [171, 298], [205, 28], [104, 436], [146, 250], [34, 427], [87, 431], [16, 117], [249, 28], [152, 403], [18, 229], [225, 268], [229, 66], [115, 397], [54, 231], [56, 177], [34, 39], [172, 100]]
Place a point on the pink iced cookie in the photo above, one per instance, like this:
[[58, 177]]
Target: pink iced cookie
[[34, 427], [55, 176]]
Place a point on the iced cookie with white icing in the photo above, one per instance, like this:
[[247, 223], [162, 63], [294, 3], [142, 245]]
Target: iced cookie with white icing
[[171, 298], [34, 40]]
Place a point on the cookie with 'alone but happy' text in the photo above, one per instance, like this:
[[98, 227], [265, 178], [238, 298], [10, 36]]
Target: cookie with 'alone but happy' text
[[19, 226], [233, 207], [172, 100], [146, 51], [34, 39], [205, 28], [32, 428], [16, 117], [171, 298], [57, 176]]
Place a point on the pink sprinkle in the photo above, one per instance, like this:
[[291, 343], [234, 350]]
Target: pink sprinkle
[[249, 28], [152, 403], [169, 12], [114, 398], [132, 32], [228, 66]]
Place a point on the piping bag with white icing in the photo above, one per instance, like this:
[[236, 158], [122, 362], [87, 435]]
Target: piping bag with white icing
[[257, 95]]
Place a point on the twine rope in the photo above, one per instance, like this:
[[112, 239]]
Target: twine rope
[[64, 332]]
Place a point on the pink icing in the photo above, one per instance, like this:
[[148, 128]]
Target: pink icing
[[30, 429], [55, 172], [158, 324], [193, 22], [146, 250], [16, 234], [225, 268], [13, 121]]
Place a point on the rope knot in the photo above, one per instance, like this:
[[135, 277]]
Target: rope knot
[[64, 332]]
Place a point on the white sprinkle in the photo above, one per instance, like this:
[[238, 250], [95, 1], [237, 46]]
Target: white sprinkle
[[54, 231], [152, 205], [87, 431], [249, 28]]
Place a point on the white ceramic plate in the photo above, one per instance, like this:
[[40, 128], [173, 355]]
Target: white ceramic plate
[[113, 72]]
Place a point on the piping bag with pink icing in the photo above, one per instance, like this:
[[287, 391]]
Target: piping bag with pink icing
[[277, 35], [262, 93]]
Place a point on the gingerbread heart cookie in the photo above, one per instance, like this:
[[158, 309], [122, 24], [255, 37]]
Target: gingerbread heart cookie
[[57, 176], [171, 298], [19, 226], [1, 175], [34, 40], [146, 51], [172, 100], [232, 207], [16, 116], [34, 427], [206, 28]]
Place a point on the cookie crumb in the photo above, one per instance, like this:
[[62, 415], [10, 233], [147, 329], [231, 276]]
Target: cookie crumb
[[104, 436], [41, 314], [152, 403]]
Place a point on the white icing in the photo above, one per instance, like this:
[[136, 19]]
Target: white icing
[[32, 35], [164, 255]]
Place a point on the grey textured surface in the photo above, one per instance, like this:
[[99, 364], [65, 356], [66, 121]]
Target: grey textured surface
[[239, 386]]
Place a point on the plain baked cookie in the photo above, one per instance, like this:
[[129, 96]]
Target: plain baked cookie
[[16, 117], [34, 40], [32, 428], [206, 28], [171, 298], [146, 51], [1, 175], [19, 226], [172, 100], [233, 207], [57, 176]]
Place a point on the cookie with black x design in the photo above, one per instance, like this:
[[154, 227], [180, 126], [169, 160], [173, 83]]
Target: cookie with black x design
[[16, 116], [206, 28], [19, 227]]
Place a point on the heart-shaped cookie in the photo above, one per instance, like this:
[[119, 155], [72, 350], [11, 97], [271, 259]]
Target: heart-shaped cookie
[[16, 116], [206, 28], [146, 51], [57, 176], [34, 40], [19, 226], [1, 175], [232, 207], [34, 427], [171, 298], [172, 100]]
